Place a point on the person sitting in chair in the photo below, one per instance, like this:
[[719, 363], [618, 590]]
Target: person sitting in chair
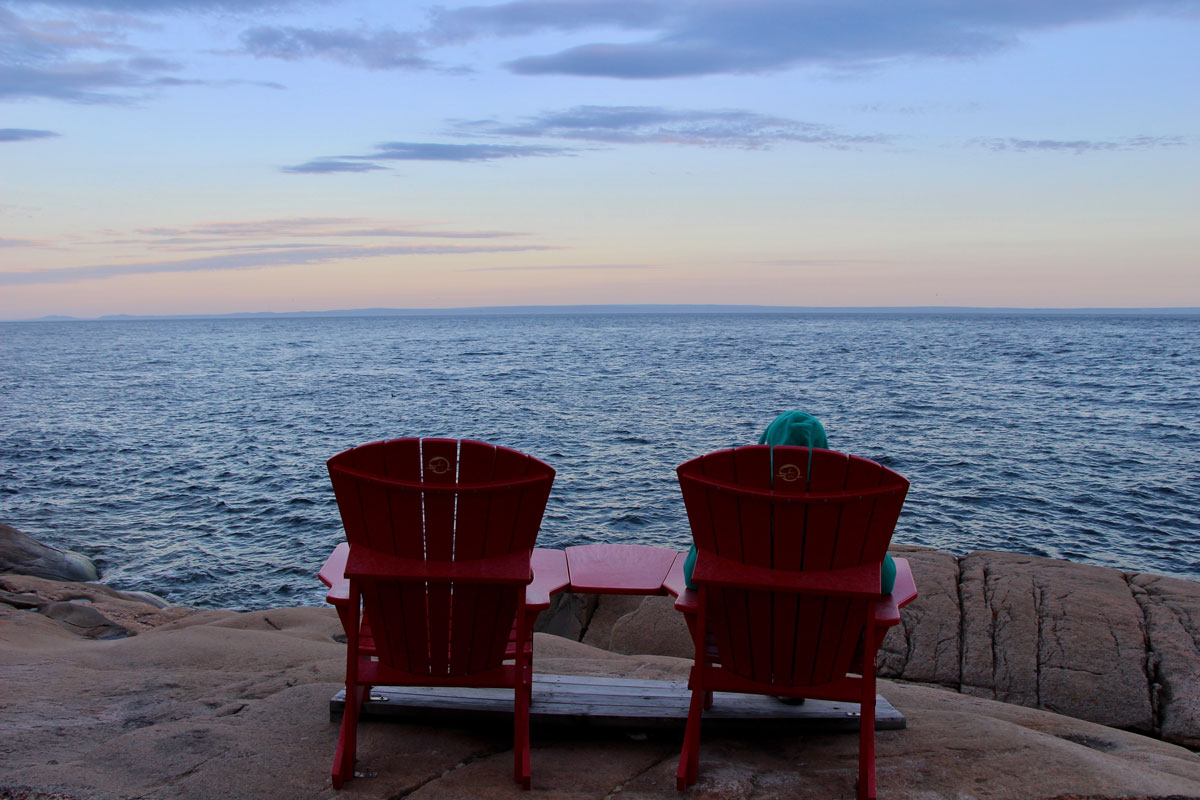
[[798, 429]]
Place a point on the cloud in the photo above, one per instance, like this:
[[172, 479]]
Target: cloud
[[325, 166], [161, 6], [809, 262], [301, 227], [429, 151], [1081, 146], [649, 39], [24, 134], [421, 151], [657, 125], [39, 58], [107, 82], [746, 36], [5, 242], [286, 257], [224, 83], [80, 83], [86, 59], [383, 49], [527, 17], [556, 267], [599, 124]]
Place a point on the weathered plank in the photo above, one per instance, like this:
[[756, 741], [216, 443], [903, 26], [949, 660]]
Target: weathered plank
[[616, 702]]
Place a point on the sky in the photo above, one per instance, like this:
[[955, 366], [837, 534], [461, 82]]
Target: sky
[[215, 156]]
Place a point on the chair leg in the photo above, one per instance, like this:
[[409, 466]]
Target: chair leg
[[343, 756], [866, 720], [522, 696], [866, 749], [689, 759]]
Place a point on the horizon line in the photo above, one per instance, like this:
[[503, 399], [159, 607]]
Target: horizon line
[[626, 308]]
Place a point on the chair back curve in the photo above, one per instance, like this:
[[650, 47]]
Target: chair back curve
[[412, 507], [797, 514]]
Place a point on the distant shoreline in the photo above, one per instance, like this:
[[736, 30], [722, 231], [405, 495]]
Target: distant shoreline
[[630, 309]]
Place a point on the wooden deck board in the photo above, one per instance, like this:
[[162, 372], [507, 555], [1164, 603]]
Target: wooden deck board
[[617, 702]]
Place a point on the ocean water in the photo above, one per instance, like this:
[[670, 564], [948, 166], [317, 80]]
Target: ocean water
[[187, 457]]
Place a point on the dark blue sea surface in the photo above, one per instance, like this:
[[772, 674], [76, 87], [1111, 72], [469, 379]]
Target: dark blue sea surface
[[187, 457]]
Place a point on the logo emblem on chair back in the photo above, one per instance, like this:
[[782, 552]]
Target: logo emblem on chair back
[[439, 465], [789, 473]]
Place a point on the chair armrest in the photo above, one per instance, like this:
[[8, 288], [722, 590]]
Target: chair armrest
[[372, 564], [333, 575], [905, 587], [675, 584], [549, 577], [687, 601], [904, 591], [334, 568], [860, 581]]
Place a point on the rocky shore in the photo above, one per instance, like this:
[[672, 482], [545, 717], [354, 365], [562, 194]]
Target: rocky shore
[[123, 698], [1121, 649]]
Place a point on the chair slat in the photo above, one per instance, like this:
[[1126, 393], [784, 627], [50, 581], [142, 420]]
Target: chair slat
[[789, 472], [884, 516], [531, 500], [439, 465], [723, 508], [505, 508], [827, 473], [727, 612], [377, 515], [476, 464], [753, 468], [474, 611], [785, 610], [349, 506], [834, 636], [696, 502], [402, 461], [727, 540], [810, 618]]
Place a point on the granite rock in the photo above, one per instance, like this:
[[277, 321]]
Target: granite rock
[[237, 704], [567, 616], [927, 646], [126, 613], [653, 628], [1121, 649], [83, 620], [1172, 609], [607, 610], [23, 555]]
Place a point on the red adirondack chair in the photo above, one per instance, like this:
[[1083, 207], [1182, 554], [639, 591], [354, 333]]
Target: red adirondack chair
[[440, 537], [788, 593]]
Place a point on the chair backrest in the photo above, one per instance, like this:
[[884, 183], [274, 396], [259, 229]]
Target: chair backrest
[[790, 510], [440, 500]]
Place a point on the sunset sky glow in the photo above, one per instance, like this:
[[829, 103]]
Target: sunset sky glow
[[213, 156]]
